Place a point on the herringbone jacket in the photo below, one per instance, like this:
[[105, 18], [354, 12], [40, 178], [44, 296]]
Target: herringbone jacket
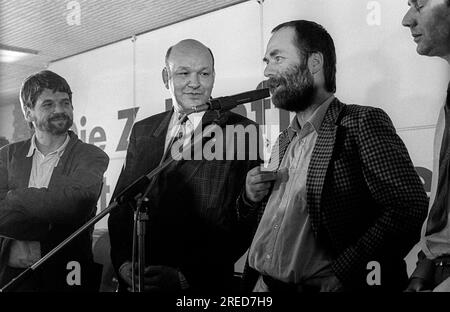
[[364, 198]]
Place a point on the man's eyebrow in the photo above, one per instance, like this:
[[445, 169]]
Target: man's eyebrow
[[275, 52], [182, 68], [272, 54], [190, 68]]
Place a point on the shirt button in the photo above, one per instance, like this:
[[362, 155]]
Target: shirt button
[[268, 257], [275, 226]]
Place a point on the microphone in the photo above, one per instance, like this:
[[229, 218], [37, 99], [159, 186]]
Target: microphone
[[226, 103]]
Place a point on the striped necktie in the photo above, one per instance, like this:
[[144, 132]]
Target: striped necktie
[[278, 150], [438, 217], [180, 127], [276, 156]]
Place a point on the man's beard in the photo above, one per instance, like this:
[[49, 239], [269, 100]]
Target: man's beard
[[294, 90], [56, 124]]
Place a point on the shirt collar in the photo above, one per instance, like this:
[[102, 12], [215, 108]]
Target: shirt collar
[[194, 118], [315, 121], [59, 151]]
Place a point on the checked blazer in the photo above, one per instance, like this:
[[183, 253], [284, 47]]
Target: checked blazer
[[364, 198], [193, 223]]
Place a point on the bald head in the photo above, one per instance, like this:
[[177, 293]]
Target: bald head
[[188, 44], [189, 73]]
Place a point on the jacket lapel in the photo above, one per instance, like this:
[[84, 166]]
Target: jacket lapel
[[21, 167], [154, 150], [320, 161], [59, 169]]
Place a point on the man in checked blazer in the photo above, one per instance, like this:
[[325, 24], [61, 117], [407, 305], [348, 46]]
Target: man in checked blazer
[[345, 205], [193, 237]]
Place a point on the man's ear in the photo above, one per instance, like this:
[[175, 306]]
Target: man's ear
[[315, 62], [27, 114], [165, 77]]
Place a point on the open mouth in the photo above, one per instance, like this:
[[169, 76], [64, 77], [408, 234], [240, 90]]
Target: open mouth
[[274, 87], [275, 84]]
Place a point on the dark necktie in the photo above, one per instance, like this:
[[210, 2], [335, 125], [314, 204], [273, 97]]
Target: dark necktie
[[278, 150], [437, 219], [160, 181], [181, 124], [276, 156]]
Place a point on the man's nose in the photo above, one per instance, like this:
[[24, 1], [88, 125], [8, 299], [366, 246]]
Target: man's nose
[[60, 108], [269, 71], [194, 81], [408, 19]]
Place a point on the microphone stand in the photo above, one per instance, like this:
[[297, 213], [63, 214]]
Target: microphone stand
[[133, 193], [141, 216], [25, 274], [129, 194]]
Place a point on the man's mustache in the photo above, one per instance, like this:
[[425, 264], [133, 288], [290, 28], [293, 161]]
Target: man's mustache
[[59, 116], [276, 81]]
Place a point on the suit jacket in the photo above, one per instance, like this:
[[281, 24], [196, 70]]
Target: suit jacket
[[436, 244], [364, 198], [193, 222], [49, 215]]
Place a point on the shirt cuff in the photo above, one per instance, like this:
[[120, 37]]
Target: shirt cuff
[[247, 201], [245, 207]]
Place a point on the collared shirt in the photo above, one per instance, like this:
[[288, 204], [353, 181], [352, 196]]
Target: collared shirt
[[437, 244], [24, 253], [284, 246], [175, 128]]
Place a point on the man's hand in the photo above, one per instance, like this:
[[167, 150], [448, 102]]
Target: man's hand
[[332, 284], [323, 281], [156, 278], [257, 184], [416, 284], [125, 272]]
